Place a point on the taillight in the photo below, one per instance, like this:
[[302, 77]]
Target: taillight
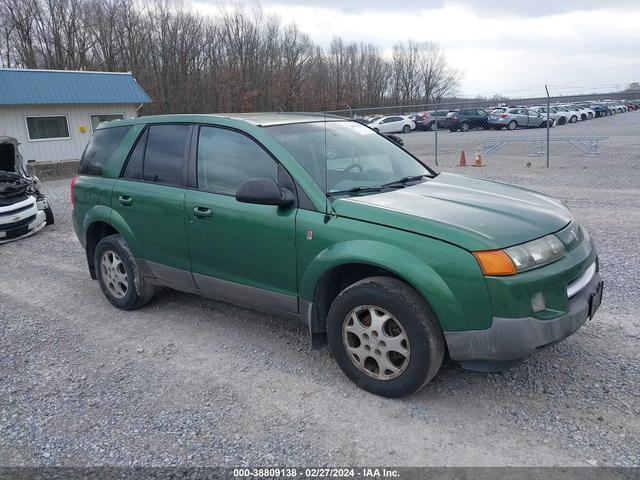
[[504, 115], [455, 119], [71, 190]]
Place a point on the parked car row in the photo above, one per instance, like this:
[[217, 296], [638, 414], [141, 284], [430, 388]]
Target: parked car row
[[498, 117]]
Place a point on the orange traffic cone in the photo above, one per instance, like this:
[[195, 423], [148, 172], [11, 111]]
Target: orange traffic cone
[[463, 160], [478, 160]]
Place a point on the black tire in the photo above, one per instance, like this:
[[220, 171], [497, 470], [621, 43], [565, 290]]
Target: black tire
[[49, 216], [562, 121], [406, 129], [512, 125], [138, 291], [426, 343], [465, 126]]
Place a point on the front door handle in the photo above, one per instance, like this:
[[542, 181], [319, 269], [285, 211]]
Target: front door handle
[[202, 212], [125, 200]]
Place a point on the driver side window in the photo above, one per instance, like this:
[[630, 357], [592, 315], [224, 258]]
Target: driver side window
[[227, 159]]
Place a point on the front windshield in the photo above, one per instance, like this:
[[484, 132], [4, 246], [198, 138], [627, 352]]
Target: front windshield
[[356, 156]]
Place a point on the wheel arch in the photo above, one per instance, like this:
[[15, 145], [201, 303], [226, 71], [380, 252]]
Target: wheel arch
[[96, 231], [341, 265], [99, 223]]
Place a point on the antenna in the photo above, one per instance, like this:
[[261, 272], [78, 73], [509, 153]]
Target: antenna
[[326, 173]]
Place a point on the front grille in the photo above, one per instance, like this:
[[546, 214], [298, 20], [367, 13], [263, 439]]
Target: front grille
[[16, 211], [7, 227]]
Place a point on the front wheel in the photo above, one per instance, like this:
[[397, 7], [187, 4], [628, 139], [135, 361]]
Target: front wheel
[[433, 127], [573, 119], [48, 213], [118, 274], [406, 129], [384, 337]]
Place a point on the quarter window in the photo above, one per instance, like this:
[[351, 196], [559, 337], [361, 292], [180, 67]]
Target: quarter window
[[100, 149], [227, 159], [48, 128]]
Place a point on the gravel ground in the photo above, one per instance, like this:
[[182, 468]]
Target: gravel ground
[[189, 381]]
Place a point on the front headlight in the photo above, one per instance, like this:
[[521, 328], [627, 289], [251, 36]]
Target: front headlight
[[521, 257], [536, 253]]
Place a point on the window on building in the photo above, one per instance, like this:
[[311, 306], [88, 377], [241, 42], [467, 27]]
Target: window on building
[[98, 119], [48, 128]]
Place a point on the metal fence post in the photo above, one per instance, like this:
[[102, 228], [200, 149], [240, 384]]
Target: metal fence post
[[435, 106], [548, 126]]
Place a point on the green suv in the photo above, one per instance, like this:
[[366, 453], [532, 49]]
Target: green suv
[[323, 220]]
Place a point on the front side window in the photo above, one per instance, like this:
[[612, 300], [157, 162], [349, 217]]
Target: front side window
[[48, 128], [354, 155], [98, 119], [100, 149], [227, 159]]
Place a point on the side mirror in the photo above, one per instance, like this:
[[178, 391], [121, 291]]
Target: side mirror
[[264, 191]]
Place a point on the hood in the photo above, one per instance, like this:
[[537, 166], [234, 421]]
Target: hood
[[472, 213], [10, 158]]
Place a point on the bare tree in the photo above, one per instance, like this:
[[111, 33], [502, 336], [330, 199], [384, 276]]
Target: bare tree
[[238, 59]]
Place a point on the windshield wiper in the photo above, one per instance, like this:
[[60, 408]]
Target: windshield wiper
[[403, 181], [353, 191]]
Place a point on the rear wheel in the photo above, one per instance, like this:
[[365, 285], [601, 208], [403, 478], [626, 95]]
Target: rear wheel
[[384, 337], [512, 125], [433, 127], [406, 129], [465, 127], [589, 116], [573, 119], [118, 274]]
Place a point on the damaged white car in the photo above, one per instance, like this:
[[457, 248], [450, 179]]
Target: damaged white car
[[24, 210]]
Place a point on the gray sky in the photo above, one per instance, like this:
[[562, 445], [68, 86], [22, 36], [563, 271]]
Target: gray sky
[[511, 47]]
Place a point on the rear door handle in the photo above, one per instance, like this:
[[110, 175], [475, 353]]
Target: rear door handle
[[125, 200], [202, 212]]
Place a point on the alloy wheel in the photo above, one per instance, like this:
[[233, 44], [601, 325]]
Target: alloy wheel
[[114, 274], [376, 343]]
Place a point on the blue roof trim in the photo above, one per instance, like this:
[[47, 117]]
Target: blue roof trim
[[46, 87]]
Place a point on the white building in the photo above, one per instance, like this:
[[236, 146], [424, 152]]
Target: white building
[[52, 113]]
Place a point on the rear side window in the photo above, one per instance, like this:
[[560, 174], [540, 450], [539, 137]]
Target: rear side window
[[159, 155], [100, 149]]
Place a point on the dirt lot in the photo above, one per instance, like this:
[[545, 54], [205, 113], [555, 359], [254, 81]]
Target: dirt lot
[[188, 381]]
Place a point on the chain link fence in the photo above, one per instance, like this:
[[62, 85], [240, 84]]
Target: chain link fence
[[496, 138]]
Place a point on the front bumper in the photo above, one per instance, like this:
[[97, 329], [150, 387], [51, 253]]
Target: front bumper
[[510, 339], [22, 219]]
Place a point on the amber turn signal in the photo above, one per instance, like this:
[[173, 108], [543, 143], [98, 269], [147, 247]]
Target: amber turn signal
[[495, 262]]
